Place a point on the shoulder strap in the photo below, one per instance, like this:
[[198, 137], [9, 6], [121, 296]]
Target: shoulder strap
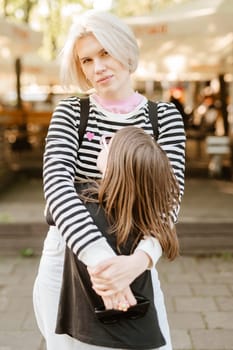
[[84, 113], [153, 116]]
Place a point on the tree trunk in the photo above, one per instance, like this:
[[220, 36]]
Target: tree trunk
[[223, 97]]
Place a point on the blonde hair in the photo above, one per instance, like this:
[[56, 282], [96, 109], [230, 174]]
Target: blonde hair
[[139, 190], [113, 34]]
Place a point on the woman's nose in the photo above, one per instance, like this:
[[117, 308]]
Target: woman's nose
[[99, 66]]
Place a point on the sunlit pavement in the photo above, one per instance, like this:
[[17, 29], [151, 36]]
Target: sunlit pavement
[[198, 290], [198, 294]]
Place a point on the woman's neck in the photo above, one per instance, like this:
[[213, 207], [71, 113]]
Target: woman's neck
[[125, 105]]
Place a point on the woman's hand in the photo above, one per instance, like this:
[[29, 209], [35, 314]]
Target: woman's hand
[[116, 274], [120, 301]]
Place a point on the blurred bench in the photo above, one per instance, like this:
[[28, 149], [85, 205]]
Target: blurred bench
[[218, 148], [10, 117], [197, 137], [38, 117]]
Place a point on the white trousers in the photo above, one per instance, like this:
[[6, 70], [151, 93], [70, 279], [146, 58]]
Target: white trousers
[[46, 294]]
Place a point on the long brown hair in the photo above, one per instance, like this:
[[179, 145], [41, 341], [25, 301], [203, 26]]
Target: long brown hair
[[139, 190]]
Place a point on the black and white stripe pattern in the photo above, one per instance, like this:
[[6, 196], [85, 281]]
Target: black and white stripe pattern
[[64, 163]]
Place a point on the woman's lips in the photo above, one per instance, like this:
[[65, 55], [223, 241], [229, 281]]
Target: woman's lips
[[104, 79]]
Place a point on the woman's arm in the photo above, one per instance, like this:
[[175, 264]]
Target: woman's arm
[[172, 140], [60, 160], [70, 215]]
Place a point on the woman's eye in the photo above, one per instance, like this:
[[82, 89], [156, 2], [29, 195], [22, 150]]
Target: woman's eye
[[86, 60], [105, 53]]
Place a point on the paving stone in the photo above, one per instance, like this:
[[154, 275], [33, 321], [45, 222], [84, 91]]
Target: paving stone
[[29, 321], [4, 302], [12, 278], [212, 339], [210, 290], [198, 264], [176, 289], [170, 307], [220, 320], [218, 277], [191, 277], [176, 266], [20, 304], [12, 321], [224, 303], [27, 340], [42, 345], [24, 290], [195, 304], [186, 320], [7, 265], [181, 340]]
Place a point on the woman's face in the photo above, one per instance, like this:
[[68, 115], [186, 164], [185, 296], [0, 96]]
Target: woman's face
[[108, 76]]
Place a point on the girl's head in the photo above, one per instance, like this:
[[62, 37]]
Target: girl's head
[[139, 190], [113, 35]]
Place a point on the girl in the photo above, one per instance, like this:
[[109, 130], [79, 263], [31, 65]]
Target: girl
[[135, 199]]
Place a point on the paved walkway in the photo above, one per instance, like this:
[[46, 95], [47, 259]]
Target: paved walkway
[[198, 290], [198, 293]]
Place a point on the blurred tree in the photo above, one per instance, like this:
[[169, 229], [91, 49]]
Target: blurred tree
[[53, 17], [19, 9], [58, 20], [141, 7]]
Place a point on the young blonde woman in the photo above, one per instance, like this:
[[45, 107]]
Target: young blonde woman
[[100, 53], [134, 199]]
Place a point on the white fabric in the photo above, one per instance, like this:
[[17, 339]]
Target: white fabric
[[46, 294], [152, 247], [99, 251], [96, 253]]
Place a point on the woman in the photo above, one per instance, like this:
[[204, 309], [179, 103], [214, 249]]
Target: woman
[[101, 53], [137, 195]]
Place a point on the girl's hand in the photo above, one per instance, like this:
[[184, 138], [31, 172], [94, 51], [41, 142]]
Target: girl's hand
[[116, 274], [120, 301]]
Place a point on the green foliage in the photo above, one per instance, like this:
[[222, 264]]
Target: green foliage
[[27, 252], [5, 218], [127, 8], [54, 18], [19, 9]]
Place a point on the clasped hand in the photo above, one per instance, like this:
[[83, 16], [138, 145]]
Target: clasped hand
[[111, 279]]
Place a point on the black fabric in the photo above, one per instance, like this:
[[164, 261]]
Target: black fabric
[[76, 315], [84, 112], [152, 113]]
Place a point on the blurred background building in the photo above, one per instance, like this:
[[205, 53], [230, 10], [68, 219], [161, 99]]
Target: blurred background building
[[186, 57]]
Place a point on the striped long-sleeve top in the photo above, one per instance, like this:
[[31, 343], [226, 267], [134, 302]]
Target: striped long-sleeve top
[[65, 162]]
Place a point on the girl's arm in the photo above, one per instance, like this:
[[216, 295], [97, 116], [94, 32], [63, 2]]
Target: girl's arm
[[111, 279]]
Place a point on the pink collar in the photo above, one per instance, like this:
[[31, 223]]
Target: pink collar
[[122, 106]]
